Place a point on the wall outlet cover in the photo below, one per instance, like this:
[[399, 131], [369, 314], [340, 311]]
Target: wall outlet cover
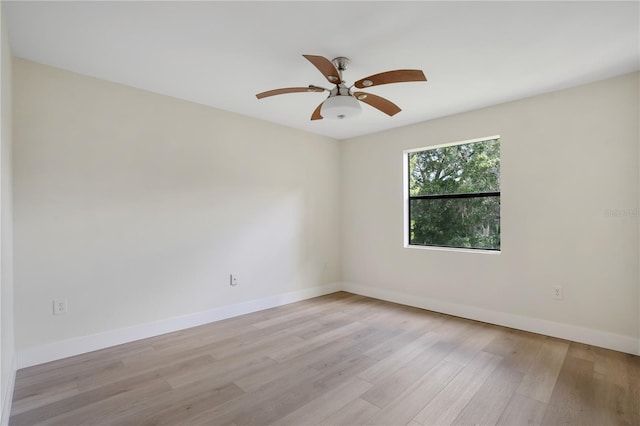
[[558, 292], [59, 306]]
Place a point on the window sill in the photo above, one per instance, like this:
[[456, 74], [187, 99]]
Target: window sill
[[453, 249]]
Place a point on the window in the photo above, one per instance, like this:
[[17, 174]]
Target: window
[[453, 195]]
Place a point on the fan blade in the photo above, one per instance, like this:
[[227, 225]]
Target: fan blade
[[378, 102], [288, 90], [325, 67], [316, 113], [397, 76]]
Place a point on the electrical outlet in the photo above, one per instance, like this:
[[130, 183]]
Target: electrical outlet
[[59, 306], [558, 292], [233, 280]]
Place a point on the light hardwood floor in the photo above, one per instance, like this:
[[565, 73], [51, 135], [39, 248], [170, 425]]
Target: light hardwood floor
[[337, 359]]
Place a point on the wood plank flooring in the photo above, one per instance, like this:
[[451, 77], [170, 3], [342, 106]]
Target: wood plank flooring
[[339, 359]]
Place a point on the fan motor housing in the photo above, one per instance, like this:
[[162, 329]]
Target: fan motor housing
[[340, 90]]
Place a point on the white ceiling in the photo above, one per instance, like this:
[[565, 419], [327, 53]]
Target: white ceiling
[[221, 54]]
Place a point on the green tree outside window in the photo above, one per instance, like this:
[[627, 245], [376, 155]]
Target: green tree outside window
[[454, 196]]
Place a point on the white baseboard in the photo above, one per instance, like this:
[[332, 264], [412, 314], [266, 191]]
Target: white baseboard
[[8, 396], [62, 349], [574, 333]]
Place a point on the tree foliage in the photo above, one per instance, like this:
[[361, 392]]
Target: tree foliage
[[456, 222]]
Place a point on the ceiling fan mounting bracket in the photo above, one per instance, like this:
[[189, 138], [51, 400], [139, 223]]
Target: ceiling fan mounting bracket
[[341, 63]]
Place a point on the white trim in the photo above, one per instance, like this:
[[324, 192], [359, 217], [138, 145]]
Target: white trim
[[453, 249], [62, 349], [8, 396], [65, 348], [446, 144], [405, 194], [405, 198], [574, 333]]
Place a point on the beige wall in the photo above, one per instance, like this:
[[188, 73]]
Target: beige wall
[[6, 232], [136, 207], [567, 158]]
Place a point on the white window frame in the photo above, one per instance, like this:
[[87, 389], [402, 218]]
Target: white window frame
[[405, 190]]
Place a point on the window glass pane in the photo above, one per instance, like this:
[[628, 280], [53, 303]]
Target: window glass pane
[[458, 169], [456, 222]]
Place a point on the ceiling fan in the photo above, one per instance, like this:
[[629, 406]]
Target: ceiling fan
[[342, 102]]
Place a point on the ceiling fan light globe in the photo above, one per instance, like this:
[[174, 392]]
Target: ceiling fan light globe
[[340, 107]]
